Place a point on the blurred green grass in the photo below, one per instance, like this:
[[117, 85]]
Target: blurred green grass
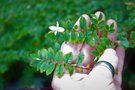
[[23, 24]]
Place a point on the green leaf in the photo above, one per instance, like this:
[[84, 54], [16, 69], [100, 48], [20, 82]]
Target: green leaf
[[81, 37], [59, 37], [95, 53], [59, 56], [75, 27], [87, 37], [73, 37], [99, 48], [83, 23], [92, 42], [100, 17], [103, 45], [44, 54], [111, 28], [94, 16], [69, 25], [50, 36], [132, 35], [101, 25], [59, 70], [51, 54], [119, 37], [96, 37], [34, 63], [111, 45], [111, 31], [70, 69], [39, 54], [39, 65], [57, 46], [91, 28], [44, 67], [94, 22], [66, 36], [107, 27], [35, 56], [68, 57], [79, 58], [106, 40], [105, 32], [125, 43], [50, 68]]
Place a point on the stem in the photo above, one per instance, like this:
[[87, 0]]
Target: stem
[[76, 66], [81, 67]]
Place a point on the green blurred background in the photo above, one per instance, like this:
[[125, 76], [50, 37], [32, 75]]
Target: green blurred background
[[23, 24]]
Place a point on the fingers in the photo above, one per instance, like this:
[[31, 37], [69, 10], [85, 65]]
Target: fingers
[[75, 49], [101, 74], [86, 49], [112, 36]]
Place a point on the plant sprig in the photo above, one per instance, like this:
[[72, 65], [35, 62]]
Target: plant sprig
[[46, 61], [49, 60]]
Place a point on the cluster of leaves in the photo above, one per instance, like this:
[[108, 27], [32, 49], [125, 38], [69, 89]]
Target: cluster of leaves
[[47, 60]]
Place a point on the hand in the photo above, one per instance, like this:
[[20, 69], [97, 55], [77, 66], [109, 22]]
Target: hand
[[100, 77]]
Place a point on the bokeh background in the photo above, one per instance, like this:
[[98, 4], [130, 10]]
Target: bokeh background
[[23, 24]]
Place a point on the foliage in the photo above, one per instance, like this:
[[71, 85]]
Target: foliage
[[47, 60], [23, 24]]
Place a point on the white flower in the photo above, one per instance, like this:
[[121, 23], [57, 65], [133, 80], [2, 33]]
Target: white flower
[[56, 28]]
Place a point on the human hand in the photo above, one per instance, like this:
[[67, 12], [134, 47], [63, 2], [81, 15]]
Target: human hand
[[100, 77]]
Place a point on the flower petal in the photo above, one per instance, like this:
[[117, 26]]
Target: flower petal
[[60, 29], [55, 32], [53, 28], [57, 25]]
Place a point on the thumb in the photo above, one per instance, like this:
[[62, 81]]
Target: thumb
[[100, 78], [110, 56]]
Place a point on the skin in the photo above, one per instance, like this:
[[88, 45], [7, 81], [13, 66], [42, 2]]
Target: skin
[[90, 80]]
